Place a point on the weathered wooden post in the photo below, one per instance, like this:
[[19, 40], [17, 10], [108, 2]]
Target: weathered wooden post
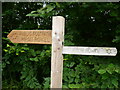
[[58, 24]]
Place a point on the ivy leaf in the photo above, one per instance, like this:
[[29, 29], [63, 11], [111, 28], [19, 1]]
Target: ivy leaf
[[33, 52], [64, 86], [34, 59], [72, 73], [35, 15], [75, 86], [57, 4], [76, 80], [113, 13], [115, 83], [117, 39], [101, 71], [71, 80], [47, 82], [8, 45], [105, 76], [111, 65], [110, 69], [72, 64], [5, 50], [117, 69], [37, 52], [17, 53], [22, 51], [29, 14], [49, 8], [33, 12]]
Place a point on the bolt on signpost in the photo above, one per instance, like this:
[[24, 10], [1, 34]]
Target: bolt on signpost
[[56, 38]]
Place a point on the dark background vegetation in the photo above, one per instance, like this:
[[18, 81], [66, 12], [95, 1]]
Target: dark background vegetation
[[87, 24]]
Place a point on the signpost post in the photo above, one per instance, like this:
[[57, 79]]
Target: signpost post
[[56, 38]]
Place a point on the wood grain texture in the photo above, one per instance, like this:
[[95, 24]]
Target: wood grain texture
[[31, 36], [100, 51], [57, 47]]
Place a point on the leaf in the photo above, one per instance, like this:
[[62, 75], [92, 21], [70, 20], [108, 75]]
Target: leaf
[[8, 45], [117, 70], [37, 52], [117, 39], [72, 73], [105, 76], [101, 71], [65, 78], [5, 50], [65, 59], [113, 13], [110, 69], [75, 86], [76, 80], [64, 86], [71, 80], [57, 4], [22, 51], [33, 52], [72, 64], [115, 83], [111, 65], [33, 12], [47, 82], [7, 62], [17, 53], [42, 53], [35, 15], [49, 8], [29, 14], [34, 59]]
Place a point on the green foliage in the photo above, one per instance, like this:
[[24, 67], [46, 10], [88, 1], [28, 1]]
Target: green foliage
[[87, 24], [85, 73], [43, 12], [46, 82]]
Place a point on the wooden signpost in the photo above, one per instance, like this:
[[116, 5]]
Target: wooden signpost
[[56, 38]]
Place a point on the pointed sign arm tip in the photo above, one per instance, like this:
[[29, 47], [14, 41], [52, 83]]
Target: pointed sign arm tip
[[116, 51]]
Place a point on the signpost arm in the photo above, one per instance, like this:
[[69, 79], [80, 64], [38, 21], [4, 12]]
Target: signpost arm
[[57, 48]]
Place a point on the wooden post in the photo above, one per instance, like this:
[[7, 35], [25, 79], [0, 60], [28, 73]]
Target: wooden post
[[57, 48]]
